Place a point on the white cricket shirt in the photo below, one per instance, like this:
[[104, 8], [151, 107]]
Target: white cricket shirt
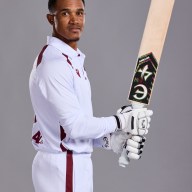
[[61, 98]]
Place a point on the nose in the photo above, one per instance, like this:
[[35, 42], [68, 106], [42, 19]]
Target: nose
[[73, 19]]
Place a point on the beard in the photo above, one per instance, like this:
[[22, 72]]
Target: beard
[[67, 37]]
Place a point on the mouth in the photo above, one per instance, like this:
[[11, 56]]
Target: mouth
[[75, 29]]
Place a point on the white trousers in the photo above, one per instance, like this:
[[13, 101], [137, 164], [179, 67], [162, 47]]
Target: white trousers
[[63, 172]]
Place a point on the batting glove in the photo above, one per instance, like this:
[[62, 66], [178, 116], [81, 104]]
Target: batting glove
[[114, 141], [133, 150], [134, 121], [118, 141]]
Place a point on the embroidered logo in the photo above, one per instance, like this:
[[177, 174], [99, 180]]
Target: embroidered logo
[[106, 142]]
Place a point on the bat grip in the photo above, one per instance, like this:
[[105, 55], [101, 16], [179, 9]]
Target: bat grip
[[136, 105], [123, 159]]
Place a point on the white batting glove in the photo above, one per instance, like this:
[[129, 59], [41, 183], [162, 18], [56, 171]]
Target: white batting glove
[[118, 141], [115, 141], [135, 146], [134, 121], [133, 150]]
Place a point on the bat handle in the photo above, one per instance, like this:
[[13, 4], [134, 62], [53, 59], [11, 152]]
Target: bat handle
[[123, 159], [136, 105]]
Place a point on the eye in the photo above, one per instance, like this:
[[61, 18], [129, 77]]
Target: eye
[[64, 13], [80, 13]]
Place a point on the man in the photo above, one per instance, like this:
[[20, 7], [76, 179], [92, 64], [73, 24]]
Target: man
[[65, 131]]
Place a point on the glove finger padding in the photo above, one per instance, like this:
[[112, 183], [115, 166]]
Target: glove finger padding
[[139, 139], [134, 147], [145, 113], [133, 150], [133, 156], [149, 119], [132, 143]]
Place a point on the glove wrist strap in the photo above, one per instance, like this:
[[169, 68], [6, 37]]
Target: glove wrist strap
[[118, 123]]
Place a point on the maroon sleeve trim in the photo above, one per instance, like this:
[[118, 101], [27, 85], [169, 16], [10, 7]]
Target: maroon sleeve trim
[[41, 55]]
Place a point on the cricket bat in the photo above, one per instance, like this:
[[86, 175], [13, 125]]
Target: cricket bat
[[149, 56]]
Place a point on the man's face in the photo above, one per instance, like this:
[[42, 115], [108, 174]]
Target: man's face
[[69, 20]]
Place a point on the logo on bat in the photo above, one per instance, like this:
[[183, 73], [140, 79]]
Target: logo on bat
[[143, 80]]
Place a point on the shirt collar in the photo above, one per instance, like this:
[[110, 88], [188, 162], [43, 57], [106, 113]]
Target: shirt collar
[[64, 48]]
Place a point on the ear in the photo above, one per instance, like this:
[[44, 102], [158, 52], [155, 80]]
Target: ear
[[50, 18]]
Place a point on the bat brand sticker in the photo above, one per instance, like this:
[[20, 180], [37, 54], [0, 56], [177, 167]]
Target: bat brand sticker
[[143, 80]]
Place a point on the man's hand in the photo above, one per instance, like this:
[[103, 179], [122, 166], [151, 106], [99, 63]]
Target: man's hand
[[133, 150], [118, 141], [134, 147], [133, 144], [134, 121]]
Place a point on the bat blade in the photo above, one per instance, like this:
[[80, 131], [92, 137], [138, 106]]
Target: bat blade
[[149, 57], [150, 51]]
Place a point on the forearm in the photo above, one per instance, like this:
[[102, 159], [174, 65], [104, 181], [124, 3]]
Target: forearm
[[89, 128]]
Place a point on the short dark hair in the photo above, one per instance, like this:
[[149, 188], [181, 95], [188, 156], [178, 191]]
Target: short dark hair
[[52, 3]]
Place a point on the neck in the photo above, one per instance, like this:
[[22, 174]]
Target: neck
[[71, 43]]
